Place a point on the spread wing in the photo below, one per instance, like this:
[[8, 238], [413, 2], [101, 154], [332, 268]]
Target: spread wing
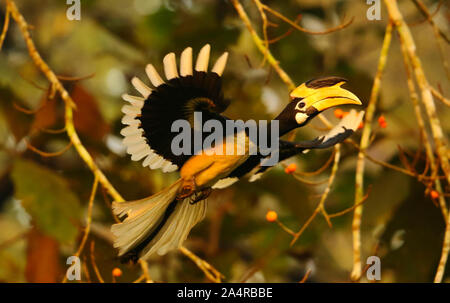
[[149, 117]]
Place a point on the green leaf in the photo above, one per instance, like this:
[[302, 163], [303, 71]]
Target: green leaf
[[47, 197]]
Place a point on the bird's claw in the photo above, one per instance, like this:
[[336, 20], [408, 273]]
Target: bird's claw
[[202, 195], [186, 190]]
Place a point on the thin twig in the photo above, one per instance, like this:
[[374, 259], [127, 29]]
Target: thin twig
[[359, 184], [305, 277], [404, 159], [88, 221], [94, 264], [88, 218], [298, 27], [85, 270], [320, 207], [320, 169], [145, 273], [419, 177], [54, 131], [285, 228], [347, 210], [260, 44], [34, 84], [429, 17], [265, 24], [260, 262], [47, 154], [140, 279], [309, 182], [287, 33], [444, 254], [13, 240], [432, 15], [75, 79], [210, 272], [5, 28], [437, 33], [27, 111], [439, 96]]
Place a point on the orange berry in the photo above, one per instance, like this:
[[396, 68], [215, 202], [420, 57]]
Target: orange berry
[[361, 125], [382, 121], [434, 194], [271, 216], [290, 168], [339, 113], [116, 272]]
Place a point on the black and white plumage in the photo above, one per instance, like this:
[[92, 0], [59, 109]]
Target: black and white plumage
[[148, 138], [254, 170], [149, 117], [344, 129], [154, 225], [162, 222]]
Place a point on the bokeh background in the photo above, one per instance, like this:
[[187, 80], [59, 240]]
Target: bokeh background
[[43, 200]]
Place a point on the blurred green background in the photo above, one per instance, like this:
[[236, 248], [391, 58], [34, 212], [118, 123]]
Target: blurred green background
[[43, 200]]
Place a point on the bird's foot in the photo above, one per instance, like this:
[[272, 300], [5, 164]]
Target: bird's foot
[[186, 190], [202, 195]]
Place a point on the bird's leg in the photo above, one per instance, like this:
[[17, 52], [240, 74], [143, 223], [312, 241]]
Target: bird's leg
[[202, 195], [187, 189]]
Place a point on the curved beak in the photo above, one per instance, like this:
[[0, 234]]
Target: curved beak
[[332, 96], [322, 98]]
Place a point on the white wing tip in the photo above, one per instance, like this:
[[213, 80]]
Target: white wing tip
[[153, 75], [170, 66], [220, 64], [207, 46], [222, 183], [203, 59], [141, 87], [255, 177], [186, 62]]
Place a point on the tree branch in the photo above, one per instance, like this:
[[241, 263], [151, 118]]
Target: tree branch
[[364, 143], [427, 100]]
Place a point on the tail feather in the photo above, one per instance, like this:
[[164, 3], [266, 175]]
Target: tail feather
[[142, 217], [155, 224], [178, 226]]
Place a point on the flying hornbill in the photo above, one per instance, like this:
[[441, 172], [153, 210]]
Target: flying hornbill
[[163, 221]]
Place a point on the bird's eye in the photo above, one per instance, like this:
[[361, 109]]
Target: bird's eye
[[301, 105]]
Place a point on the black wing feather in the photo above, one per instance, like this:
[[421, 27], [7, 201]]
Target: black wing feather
[[178, 99]]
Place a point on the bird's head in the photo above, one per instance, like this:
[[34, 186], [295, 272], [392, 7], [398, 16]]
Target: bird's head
[[313, 97]]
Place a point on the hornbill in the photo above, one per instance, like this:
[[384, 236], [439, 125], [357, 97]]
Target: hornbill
[[163, 221]]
